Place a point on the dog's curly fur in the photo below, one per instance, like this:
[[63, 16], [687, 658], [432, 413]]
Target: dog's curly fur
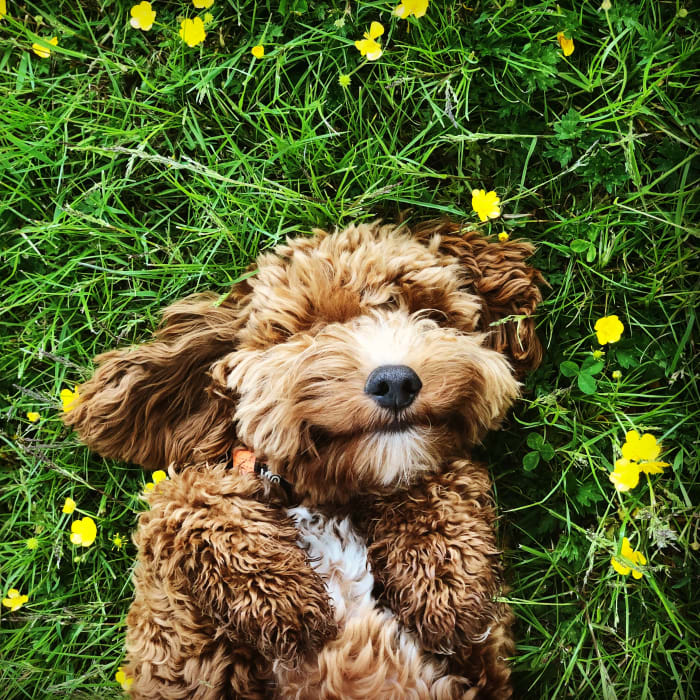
[[239, 589]]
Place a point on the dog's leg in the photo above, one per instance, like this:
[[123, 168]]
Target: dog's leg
[[219, 567], [433, 550]]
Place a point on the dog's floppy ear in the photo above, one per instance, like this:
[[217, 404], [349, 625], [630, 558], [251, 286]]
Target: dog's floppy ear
[[509, 288], [154, 404]]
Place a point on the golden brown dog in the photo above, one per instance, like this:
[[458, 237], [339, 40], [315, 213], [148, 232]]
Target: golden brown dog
[[360, 367]]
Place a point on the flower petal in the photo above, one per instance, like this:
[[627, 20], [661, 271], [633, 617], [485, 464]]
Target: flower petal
[[375, 30], [619, 567]]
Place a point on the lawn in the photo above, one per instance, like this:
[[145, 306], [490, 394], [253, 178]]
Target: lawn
[[135, 169]]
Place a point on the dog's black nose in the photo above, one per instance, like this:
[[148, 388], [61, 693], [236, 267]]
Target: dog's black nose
[[393, 386]]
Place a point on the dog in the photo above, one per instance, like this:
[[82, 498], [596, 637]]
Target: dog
[[324, 532]]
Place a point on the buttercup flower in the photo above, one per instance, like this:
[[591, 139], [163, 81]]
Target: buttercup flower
[[70, 399], [83, 532], [625, 476], [202, 4], [192, 31], [33, 416], [417, 8], [142, 16], [123, 680], [643, 450], [258, 51], [68, 505], [617, 374], [639, 454], [567, 45], [369, 46], [344, 80], [609, 329], [3, 8], [636, 558], [44, 51], [486, 204], [118, 541], [32, 543], [157, 477], [14, 600], [597, 354], [503, 236]]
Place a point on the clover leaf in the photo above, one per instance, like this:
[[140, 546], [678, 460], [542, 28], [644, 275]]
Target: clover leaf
[[584, 374], [540, 450]]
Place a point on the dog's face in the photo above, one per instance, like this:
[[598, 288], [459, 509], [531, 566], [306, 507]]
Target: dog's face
[[361, 363], [351, 362]]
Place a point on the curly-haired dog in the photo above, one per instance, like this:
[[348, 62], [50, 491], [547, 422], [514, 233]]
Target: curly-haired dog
[[360, 367]]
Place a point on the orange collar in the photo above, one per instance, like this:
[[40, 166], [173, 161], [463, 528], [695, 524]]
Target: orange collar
[[244, 461]]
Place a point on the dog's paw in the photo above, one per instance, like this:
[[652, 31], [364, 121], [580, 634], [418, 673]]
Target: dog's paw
[[449, 619], [296, 631]]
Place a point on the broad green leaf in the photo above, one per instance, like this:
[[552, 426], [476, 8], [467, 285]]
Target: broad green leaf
[[586, 383], [530, 461], [535, 441], [546, 452], [569, 369]]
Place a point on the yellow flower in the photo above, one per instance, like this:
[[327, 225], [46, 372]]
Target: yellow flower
[[632, 556], [192, 31], [32, 543], [258, 51], [123, 680], [567, 45], [368, 46], [68, 505], [202, 4], [640, 447], [14, 600], [344, 80], [503, 236], [609, 329], [626, 475], [617, 374], [157, 476], [44, 51], [83, 532], [70, 399], [118, 541], [486, 204], [33, 416], [644, 450], [411, 7], [142, 16], [639, 454], [3, 8]]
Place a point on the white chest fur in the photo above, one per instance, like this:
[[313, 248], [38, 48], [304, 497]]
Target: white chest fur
[[373, 656], [339, 557]]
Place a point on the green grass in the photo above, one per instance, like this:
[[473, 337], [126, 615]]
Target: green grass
[[134, 170]]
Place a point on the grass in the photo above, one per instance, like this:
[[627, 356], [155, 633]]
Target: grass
[[135, 170]]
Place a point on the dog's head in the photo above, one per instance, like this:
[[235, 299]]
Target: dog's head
[[350, 363]]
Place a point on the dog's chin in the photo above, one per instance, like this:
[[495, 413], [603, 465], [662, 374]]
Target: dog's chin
[[379, 460], [399, 452]]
